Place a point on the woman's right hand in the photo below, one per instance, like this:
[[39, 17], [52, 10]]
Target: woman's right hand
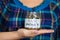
[[31, 33]]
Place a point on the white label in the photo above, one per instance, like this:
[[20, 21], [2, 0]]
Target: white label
[[32, 23]]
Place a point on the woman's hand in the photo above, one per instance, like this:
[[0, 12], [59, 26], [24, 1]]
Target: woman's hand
[[31, 33]]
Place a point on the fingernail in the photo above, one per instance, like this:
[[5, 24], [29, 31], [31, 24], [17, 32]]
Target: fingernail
[[52, 30]]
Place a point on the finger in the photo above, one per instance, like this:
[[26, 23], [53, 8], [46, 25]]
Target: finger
[[33, 33], [42, 31]]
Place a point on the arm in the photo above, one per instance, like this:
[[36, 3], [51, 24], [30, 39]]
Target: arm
[[9, 35], [21, 33]]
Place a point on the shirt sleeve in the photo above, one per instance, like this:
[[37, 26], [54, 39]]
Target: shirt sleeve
[[3, 4], [0, 15], [57, 12]]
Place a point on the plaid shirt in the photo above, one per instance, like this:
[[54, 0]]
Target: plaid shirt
[[12, 18]]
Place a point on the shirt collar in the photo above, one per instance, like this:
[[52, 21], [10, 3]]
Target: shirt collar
[[40, 7]]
